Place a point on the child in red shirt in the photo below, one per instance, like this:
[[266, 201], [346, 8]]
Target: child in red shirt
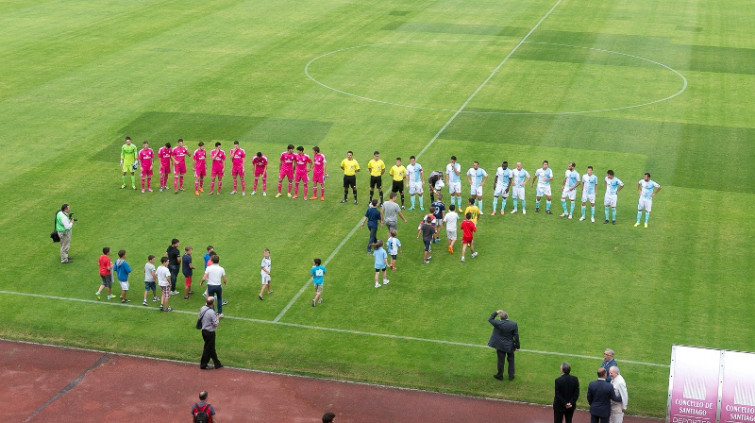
[[469, 228]]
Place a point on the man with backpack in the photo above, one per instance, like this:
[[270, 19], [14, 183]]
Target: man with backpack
[[203, 412]]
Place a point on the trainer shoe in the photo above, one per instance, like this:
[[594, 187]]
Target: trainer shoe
[[474, 254], [411, 208], [637, 224], [319, 301], [537, 209], [97, 294], [243, 194], [161, 189], [377, 285], [169, 309], [524, 211], [154, 299], [161, 308], [144, 302], [233, 192], [174, 292], [513, 211], [582, 218], [646, 224], [313, 303], [548, 212], [355, 202], [570, 217], [612, 222], [605, 222], [305, 198], [196, 192], [264, 194], [592, 219], [201, 189], [322, 198], [421, 209], [142, 191], [149, 189], [260, 297], [254, 192], [225, 302], [426, 261], [314, 197], [125, 300], [403, 208], [462, 259], [288, 194], [385, 281], [123, 186], [294, 197], [278, 195], [343, 201], [134, 187], [502, 213], [110, 297], [450, 250]]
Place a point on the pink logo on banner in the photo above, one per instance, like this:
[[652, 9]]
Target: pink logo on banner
[[738, 390], [694, 387]]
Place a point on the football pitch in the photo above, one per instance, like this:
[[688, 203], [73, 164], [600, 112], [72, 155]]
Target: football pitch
[[641, 86]]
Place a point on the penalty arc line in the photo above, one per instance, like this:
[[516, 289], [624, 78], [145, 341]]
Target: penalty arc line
[[430, 143], [327, 329], [485, 82]]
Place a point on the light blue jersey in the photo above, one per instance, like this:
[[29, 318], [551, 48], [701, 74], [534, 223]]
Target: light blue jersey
[[414, 171], [380, 257], [520, 176], [647, 188], [477, 175], [589, 182], [451, 172], [393, 245], [571, 177], [503, 177], [318, 274], [612, 185], [543, 174]]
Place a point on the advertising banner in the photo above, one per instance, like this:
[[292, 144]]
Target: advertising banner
[[693, 385], [738, 388]]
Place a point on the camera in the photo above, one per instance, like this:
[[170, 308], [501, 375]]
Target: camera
[[70, 216]]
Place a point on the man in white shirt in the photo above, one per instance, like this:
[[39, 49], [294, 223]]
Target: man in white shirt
[[453, 181], [618, 408], [450, 219], [215, 275], [543, 176]]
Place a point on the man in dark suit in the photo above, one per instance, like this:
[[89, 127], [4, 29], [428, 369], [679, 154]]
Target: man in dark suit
[[567, 393], [599, 396], [505, 339]]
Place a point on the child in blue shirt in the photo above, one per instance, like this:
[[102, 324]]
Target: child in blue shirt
[[122, 269], [318, 276], [381, 257]]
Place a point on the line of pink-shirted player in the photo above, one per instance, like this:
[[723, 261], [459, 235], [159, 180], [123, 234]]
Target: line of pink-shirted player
[[294, 166]]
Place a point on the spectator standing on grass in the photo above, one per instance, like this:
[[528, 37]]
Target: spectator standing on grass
[[174, 264], [599, 395], [209, 322], [318, 277], [439, 214], [391, 212], [566, 396], [187, 268], [122, 269], [150, 276], [608, 361], [63, 226], [505, 340], [265, 266], [215, 277], [618, 408], [106, 274], [380, 255], [203, 407], [372, 218], [163, 280]]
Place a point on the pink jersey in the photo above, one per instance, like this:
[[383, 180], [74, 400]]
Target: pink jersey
[[199, 157], [145, 158], [218, 160], [164, 154], [259, 163], [319, 163], [179, 153], [301, 163], [287, 160], [237, 157]]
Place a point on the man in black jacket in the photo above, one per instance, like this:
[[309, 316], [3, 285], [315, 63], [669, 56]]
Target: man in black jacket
[[505, 339], [567, 393], [599, 396]]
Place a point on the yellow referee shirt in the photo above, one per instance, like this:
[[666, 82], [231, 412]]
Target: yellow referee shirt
[[349, 167], [376, 167], [398, 173]]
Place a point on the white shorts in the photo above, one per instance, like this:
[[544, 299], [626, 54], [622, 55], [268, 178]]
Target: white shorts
[[265, 278], [498, 192], [645, 204], [439, 184], [610, 200], [451, 235], [588, 198], [454, 187], [543, 190], [415, 188], [517, 192], [570, 194], [124, 285], [476, 190]]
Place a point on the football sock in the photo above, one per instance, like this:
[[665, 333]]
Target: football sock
[[422, 202], [196, 185], [495, 203], [563, 205], [306, 189], [524, 204], [220, 185], [402, 199], [381, 197], [613, 211], [280, 185], [322, 192], [296, 189], [647, 216], [254, 187], [547, 205], [537, 204], [124, 179], [639, 216], [606, 213], [149, 182], [142, 183], [412, 200], [243, 186], [355, 194], [212, 186], [133, 180], [289, 186], [345, 194], [264, 185], [584, 208], [592, 212], [175, 182], [571, 210], [314, 191], [479, 205], [235, 184], [181, 182]]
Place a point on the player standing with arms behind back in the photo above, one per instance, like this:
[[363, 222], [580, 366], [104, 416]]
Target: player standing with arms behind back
[[238, 156], [286, 169], [303, 164], [569, 189], [319, 173], [543, 176], [164, 153], [376, 167], [398, 173], [200, 168], [128, 158], [260, 169], [146, 155], [179, 154]]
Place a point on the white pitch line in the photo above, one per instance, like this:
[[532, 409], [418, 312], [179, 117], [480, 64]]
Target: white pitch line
[[322, 328], [327, 260], [485, 82]]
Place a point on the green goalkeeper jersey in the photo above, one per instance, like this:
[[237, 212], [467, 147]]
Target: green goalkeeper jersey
[[128, 153]]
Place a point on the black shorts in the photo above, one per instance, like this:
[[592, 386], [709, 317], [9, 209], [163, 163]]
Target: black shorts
[[398, 186], [376, 181], [349, 181]]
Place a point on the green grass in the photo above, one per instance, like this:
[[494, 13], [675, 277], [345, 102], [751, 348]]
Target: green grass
[[77, 78]]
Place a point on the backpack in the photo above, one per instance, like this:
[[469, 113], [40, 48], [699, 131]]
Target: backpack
[[202, 414]]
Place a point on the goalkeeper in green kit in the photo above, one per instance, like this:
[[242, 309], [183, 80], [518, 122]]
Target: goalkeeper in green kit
[[128, 162]]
